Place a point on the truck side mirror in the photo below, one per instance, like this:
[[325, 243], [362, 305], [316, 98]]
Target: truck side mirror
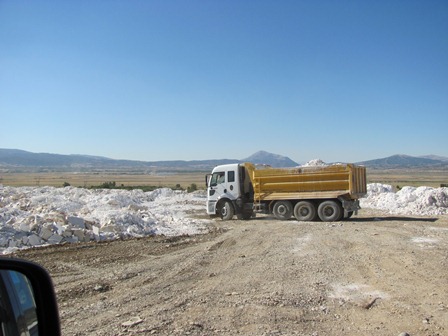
[[27, 300], [207, 179]]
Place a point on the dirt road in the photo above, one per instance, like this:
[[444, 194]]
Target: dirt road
[[371, 275]]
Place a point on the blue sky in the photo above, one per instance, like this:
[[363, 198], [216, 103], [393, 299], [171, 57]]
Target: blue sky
[[167, 80]]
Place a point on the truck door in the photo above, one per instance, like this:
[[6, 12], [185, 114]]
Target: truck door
[[232, 185], [224, 184]]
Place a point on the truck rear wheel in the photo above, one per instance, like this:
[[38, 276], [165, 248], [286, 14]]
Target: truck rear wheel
[[330, 211], [305, 211], [282, 210], [226, 211]]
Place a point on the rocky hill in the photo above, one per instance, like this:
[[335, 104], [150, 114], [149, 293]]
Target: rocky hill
[[406, 161], [274, 160], [20, 160]]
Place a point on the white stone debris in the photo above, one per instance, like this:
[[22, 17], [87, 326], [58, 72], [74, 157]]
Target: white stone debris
[[314, 163], [36, 216], [421, 201]]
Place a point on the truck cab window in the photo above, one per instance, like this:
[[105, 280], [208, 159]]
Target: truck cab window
[[218, 178], [231, 176]]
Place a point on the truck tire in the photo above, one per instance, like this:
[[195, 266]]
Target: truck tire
[[245, 215], [330, 211], [226, 211], [282, 210], [305, 211], [348, 214]]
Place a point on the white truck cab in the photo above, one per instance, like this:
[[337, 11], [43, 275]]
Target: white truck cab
[[229, 192]]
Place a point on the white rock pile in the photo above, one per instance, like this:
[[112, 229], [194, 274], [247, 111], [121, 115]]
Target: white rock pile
[[421, 201], [34, 216]]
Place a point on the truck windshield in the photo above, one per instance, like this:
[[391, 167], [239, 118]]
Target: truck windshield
[[217, 178]]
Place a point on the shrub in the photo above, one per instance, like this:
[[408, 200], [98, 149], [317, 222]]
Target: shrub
[[192, 187]]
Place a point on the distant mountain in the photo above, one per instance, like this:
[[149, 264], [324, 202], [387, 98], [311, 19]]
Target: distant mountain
[[274, 160], [23, 161], [20, 160], [405, 161], [16, 157], [435, 157]]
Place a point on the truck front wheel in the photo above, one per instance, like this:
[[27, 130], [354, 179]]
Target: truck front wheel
[[282, 210], [330, 211], [226, 211], [305, 211]]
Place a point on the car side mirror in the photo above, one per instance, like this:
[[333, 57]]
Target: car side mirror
[[27, 300]]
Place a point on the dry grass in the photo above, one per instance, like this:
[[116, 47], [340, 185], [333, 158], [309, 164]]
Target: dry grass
[[93, 179], [408, 177]]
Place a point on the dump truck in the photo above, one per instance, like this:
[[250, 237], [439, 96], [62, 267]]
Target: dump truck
[[327, 193]]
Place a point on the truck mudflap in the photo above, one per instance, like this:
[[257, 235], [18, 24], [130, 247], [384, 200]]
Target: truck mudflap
[[242, 206], [350, 205], [243, 210]]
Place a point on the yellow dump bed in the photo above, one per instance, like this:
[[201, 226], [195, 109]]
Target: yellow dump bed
[[318, 182]]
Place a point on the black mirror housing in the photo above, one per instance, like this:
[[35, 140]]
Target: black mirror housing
[[43, 293]]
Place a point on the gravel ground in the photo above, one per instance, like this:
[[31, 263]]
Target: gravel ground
[[374, 274]]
